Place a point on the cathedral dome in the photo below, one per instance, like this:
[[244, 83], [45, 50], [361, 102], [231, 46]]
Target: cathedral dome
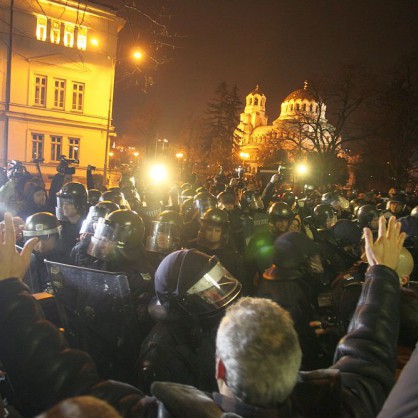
[[302, 103], [300, 94]]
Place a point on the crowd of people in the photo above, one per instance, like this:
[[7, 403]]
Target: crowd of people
[[258, 302]]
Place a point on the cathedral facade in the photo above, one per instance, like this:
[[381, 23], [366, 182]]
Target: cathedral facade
[[288, 137]]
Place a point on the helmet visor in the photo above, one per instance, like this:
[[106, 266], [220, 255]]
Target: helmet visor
[[215, 290], [256, 203], [107, 241], [164, 238]]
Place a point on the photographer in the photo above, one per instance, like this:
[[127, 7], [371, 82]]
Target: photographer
[[64, 175], [11, 193]]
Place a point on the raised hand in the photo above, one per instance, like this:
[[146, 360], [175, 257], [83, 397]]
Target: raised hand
[[386, 249], [13, 264]]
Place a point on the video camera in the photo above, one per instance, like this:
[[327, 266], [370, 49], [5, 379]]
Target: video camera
[[16, 169], [64, 167]]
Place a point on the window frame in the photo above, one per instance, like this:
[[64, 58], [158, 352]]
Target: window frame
[[74, 148], [38, 141], [76, 95], [57, 91], [56, 147], [38, 89]]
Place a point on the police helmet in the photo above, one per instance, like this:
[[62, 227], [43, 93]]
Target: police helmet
[[41, 225], [323, 216], [192, 282], [280, 210]]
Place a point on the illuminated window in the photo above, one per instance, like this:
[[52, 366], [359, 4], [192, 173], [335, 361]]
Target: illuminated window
[[82, 38], [40, 90], [37, 146], [68, 35], [41, 24], [78, 97], [74, 148], [59, 93], [55, 33], [56, 142]]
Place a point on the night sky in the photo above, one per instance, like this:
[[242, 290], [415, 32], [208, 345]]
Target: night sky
[[276, 44]]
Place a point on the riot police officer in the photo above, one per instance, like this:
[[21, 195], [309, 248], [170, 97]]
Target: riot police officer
[[46, 228], [71, 210], [214, 239], [165, 236], [192, 290]]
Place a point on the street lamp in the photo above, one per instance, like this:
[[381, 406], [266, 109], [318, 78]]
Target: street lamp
[[137, 55], [244, 156], [164, 141], [179, 157]]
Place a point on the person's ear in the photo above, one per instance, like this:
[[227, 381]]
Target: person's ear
[[220, 372], [404, 280]]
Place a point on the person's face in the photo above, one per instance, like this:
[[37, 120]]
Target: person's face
[[374, 224], [282, 225], [228, 206], [39, 198], [395, 207], [294, 225], [45, 246], [213, 234], [69, 209], [164, 240]]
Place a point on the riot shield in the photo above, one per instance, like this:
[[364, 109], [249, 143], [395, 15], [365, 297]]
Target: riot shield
[[98, 316]]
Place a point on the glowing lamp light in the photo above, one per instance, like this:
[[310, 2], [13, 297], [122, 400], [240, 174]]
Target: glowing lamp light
[[302, 169], [179, 155], [136, 154], [111, 154], [137, 55], [244, 155], [158, 173], [95, 42]]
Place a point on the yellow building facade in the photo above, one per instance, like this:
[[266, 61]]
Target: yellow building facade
[[57, 64]]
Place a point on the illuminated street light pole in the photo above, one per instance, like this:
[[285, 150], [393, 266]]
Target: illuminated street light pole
[[179, 157], [244, 156], [137, 55]]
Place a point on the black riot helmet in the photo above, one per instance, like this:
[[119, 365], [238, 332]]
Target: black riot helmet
[[324, 216], [42, 225], [118, 236], [368, 216], [93, 196], [289, 198], [346, 232], [204, 201], [251, 201], [192, 282], [165, 233], [335, 200], [280, 210], [130, 193], [187, 210], [115, 196], [215, 216], [226, 197], [187, 194], [74, 193], [414, 212], [95, 213]]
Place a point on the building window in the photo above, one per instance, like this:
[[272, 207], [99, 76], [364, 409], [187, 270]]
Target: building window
[[82, 38], [40, 90], [37, 146], [304, 107], [59, 93], [68, 35], [55, 33], [78, 97], [74, 148], [56, 142], [41, 25]]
